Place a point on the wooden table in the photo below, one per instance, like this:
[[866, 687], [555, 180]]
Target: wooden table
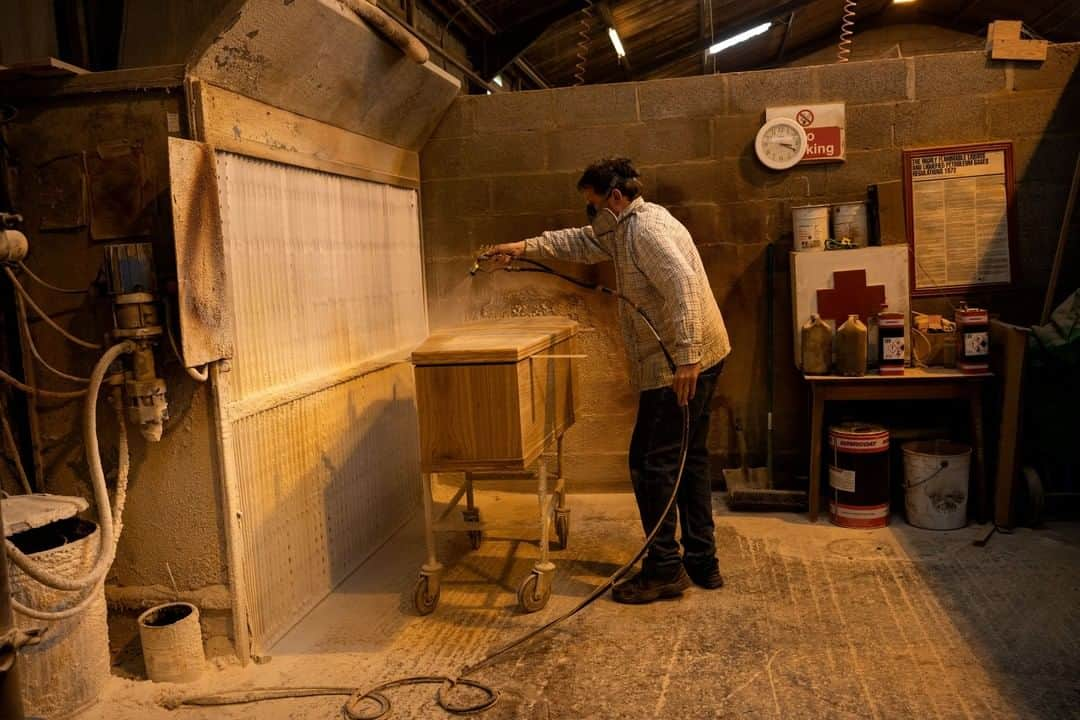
[[914, 384]]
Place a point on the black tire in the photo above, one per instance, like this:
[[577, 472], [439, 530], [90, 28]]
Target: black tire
[[425, 602], [527, 598]]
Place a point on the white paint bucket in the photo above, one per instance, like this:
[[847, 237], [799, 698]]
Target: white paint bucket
[[171, 640], [810, 224], [936, 484], [849, 220]]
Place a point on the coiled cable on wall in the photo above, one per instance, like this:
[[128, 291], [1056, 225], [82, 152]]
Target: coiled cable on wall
[[847, 22], [110, 515], [584, 28]]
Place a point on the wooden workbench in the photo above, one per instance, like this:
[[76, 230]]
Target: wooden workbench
[[914, 384]]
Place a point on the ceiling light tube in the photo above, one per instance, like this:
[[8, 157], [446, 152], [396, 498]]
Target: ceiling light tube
[[741, 37], [616, 42]]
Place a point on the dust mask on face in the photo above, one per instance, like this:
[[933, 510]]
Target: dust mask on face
[[603, 221]]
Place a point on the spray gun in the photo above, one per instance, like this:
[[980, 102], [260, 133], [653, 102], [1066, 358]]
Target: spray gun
[[129, 272]]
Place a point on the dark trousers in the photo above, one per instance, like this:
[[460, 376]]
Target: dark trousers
[[654, 464]]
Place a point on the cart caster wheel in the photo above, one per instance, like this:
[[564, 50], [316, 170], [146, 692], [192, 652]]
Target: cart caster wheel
[[423, 599], [528, 598], [562, 528], [475, 538]]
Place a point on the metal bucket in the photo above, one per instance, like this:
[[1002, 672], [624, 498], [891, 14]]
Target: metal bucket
[[936, 477], [849, 220], [171, 638], [67, 671], [810, 224], [859, 475]]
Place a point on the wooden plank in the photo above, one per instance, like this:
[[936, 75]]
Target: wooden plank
[[235, 123], [41, 68], [206, 322], [911, 375], [493, 341], [1004, 42], [147, 78], [1008, 347]]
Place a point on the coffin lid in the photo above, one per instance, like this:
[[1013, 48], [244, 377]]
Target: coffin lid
[[493, 341], [318, 59]]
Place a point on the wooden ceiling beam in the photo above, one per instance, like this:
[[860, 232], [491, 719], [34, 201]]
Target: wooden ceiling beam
[[508, 45], [464, 6]]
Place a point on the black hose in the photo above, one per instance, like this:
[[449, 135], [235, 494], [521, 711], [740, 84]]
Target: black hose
[[352, 709]]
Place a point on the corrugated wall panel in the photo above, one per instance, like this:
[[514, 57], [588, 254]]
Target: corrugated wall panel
[[325, 270], [324, 275], [324, 481]]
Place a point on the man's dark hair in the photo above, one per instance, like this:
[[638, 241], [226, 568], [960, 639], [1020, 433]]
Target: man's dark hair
[[609, 174]]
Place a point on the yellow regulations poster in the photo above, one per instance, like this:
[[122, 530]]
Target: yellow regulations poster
[[959, 200]]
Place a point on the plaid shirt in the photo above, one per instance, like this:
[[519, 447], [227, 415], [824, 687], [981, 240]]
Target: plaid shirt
[[657, 267]]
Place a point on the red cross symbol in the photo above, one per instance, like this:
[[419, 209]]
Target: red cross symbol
[[850, 296]]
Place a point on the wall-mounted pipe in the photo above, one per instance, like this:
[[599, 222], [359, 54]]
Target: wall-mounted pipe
[[390, 29]]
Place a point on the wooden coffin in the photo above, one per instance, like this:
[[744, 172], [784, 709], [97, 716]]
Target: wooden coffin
[[492, 394]]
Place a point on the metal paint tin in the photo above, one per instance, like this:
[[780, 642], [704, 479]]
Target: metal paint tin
[[972, 340], [849, 220], [810, 224], [859, 475]]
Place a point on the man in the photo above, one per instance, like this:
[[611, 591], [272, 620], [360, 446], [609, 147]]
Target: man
[[659, 269]]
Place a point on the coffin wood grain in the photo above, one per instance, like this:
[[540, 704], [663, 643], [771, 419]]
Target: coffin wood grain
[[494, 416]]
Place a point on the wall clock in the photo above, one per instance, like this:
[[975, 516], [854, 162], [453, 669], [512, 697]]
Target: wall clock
[[780, 143]]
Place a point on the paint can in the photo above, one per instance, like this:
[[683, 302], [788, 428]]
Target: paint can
[[810, 224], [859, 475], [972, 340], [849, 221], [891, 352], [171, 638], [936, 476]]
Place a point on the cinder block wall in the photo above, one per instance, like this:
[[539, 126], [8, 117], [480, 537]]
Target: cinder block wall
[[503, 167]]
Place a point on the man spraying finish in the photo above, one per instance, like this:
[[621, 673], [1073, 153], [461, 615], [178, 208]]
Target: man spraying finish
[[659, 269]]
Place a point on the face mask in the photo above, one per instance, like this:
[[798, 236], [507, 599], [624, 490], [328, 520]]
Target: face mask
[[603, 221]]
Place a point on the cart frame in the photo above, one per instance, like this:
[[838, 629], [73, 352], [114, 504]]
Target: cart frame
[[534, 591]]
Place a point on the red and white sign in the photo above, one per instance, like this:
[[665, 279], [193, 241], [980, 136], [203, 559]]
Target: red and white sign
[[824, 126]]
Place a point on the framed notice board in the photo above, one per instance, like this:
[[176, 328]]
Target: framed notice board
[[961, 217]]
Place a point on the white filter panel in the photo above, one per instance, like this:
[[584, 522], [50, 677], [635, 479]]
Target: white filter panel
[[324, 275], [325, 271]]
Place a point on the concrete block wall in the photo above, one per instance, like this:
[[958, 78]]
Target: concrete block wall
[[503, 167]]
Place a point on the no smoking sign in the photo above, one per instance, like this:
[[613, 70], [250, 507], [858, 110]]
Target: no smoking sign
[[824, 125]]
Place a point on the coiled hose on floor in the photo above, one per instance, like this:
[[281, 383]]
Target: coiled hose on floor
[[375, 698], [110, 515]]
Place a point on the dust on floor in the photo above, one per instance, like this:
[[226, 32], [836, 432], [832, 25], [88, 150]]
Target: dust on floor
[[814, 622]]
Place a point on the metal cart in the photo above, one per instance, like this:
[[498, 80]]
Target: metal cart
[[535, 588]]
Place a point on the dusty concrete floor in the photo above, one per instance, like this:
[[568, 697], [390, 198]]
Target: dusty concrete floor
[[815, 622]]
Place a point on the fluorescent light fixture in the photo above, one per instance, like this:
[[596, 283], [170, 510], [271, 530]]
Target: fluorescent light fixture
[[497, 80], [902, 2], [741, 37], [616, 42]]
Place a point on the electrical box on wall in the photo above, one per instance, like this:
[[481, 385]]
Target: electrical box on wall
[[824, 126]]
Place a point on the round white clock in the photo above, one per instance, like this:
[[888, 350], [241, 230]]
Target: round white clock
[[780, 143]]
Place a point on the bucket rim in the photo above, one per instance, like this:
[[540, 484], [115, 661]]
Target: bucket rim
[[936, 448], [192, 611]]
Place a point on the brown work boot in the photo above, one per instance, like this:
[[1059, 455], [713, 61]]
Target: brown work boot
[[646, 587], [705, 574]]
